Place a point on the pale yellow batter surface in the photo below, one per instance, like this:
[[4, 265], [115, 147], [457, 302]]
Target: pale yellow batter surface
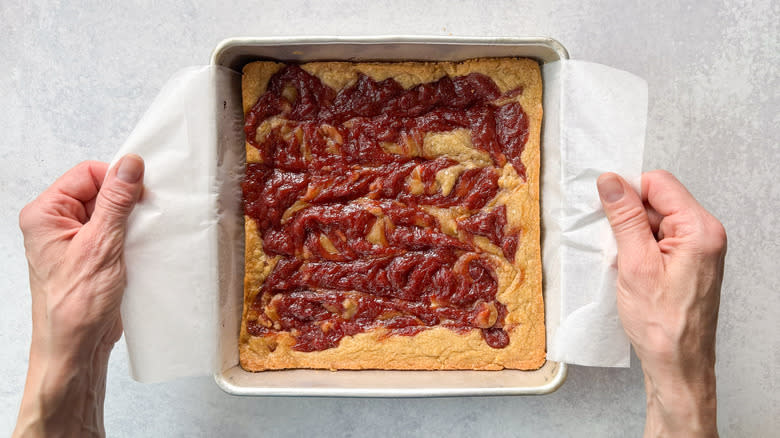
[[519, 283]]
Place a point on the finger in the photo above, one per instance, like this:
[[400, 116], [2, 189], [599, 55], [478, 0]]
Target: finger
[[666, 194], [63, 205], [89, 206], [81, 183], [118, 195], [686, 225], [654, 218], [627, 216]]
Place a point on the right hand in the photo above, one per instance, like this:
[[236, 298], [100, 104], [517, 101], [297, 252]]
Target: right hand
[[670, 267]]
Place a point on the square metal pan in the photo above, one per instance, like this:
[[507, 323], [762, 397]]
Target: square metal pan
[[234, 53]]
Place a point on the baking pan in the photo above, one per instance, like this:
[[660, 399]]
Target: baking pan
[[234, 53]]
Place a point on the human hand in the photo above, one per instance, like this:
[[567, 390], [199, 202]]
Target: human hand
[[670, 267], [74, 236]]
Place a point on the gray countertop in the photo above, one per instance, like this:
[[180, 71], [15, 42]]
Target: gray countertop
[[75, 80]]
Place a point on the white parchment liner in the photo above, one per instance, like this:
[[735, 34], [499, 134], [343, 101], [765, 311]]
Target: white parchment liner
[[185, 238]]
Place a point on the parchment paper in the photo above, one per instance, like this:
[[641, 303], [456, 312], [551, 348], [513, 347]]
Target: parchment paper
[[170, 309], [595, 119]]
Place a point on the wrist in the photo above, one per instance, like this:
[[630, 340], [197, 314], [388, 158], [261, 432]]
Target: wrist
[[64, 393], [683, 404]]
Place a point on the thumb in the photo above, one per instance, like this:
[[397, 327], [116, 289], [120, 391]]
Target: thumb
[[118, 195], [627, 216]]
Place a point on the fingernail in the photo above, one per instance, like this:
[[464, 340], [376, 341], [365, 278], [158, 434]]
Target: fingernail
[[130, 168], [610, 188]]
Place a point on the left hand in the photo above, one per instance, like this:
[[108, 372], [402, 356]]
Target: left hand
[[74, 235]]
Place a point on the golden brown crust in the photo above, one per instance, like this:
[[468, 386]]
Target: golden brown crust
[[519, 285]]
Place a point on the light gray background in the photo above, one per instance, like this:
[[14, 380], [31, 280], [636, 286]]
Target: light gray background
[[74, 79]]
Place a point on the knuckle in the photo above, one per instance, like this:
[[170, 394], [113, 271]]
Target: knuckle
[[663, 173], [627, 217], [29, 217], [658, 174], [704, 233], [25, 217], [714, 238], [718, 231], [83, 165], [116, 199], [87, 165]]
